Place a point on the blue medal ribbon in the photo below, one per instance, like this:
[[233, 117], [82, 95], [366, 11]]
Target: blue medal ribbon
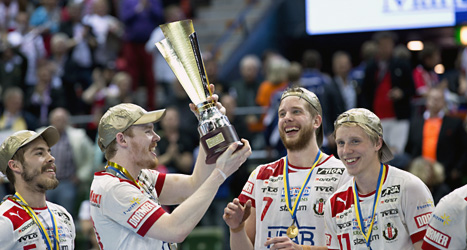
[[55, 245], [293, 211], [358, 211]]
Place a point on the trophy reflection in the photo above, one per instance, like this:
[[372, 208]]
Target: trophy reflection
[[181, 51]]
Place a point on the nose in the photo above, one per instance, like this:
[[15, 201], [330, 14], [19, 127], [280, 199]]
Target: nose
[[156, 137], [346, 149], [50, 157]]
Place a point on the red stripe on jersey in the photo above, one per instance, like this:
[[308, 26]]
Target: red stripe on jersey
[[341, 201], [416, 237], [428, 246], [17, 216], [160, 183], [150, 221]]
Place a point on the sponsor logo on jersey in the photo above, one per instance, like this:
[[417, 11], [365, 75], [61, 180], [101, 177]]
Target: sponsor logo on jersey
[[294, 191], [360, 241], [134, 202], [299, 208], [270, 190], [95, 199], [344, 225], [389, 200], [389, 212], [429, 203], [437, 237], [422, 220], [248, 188], [28, 237], [366, 222], [318, 207], [327, 179], [324, 188], [26, 227], [305, 234], [326, 171], [396, 189], [390, 232], [444, 219], [140, 213]]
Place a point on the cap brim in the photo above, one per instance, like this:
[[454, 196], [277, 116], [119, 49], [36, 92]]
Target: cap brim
[[386, 155], [151, 117], [50, 135]]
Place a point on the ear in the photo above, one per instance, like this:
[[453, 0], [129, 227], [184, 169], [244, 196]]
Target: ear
[[120, 138], [317, 121], [15, 166], [379, 144]]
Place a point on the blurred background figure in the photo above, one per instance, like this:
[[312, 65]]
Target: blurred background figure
[[73, 158], [46, 18], [175, 149], [439, 137], [387, 90], [14, 117], [313, 78], [424, 75], [140, 18], [339, 96], [162, 72], [432, 174]]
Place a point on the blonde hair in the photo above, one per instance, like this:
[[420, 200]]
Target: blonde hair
[[430, 172], [374, 137]]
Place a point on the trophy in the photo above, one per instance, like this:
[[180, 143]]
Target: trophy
[[180, 49]]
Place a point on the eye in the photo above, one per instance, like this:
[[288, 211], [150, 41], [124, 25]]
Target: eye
[[297, 111], [355, 141], [281, 114], [339, 143]]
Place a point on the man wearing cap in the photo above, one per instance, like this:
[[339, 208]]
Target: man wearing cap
[[383, 207], [126, 198], [288, 195], [27, 220]]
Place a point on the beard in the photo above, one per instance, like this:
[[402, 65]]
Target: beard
[[29, 175], [304, 138]]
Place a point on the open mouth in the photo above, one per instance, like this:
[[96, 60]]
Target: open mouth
[[351, 161], [291, 130]]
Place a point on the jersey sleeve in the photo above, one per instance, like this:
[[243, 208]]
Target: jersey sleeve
[[248, 190], [7, 238], [447, 226], [330, 231], [130, 207], [417, 206]]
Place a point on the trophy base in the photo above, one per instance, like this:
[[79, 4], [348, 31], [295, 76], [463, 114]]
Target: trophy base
[[217, 141]]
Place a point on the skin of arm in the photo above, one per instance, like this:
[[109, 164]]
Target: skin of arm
[[186, 216]]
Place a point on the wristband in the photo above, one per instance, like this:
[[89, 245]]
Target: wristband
[[238, 229], [222, 173]]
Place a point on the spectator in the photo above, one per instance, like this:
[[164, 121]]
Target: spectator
[[46, 18], [175, 149], [119, 91], [339, 95], [312, 78], [367, 52], [424, 75], [162, 73], [432, 174], [31, 44], [140, 18], [13, 66], [8, 11], [439, 137], [387, 91], [47, 94], [14, 117], [245, 89], [73, 159], [108, 31]]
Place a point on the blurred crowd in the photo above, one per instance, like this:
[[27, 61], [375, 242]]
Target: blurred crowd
[[62, 59]]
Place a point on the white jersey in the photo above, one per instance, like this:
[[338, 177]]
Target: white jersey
[[448, 225], [265, 188], [18, 231], [122, 213], [401, 217]]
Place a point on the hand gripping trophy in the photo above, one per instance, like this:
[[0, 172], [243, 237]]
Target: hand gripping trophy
[[181, 51]]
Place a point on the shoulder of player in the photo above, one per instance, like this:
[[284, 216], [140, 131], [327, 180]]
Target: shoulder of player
[[406, 179], [264, 171], [457, 199]]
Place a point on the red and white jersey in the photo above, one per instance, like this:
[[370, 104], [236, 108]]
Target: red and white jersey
[[448, 225], [401, 217], [18, 231], [265, 188], [123, 213]]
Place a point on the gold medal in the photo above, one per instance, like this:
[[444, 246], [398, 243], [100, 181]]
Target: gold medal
[[292, 231]]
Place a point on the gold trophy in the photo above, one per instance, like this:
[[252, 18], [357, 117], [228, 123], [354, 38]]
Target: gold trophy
[[181, 51]]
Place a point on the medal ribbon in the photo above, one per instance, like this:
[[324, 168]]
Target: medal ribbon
[[34, 217], [358, 211], [120, 171], [293, 211]]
